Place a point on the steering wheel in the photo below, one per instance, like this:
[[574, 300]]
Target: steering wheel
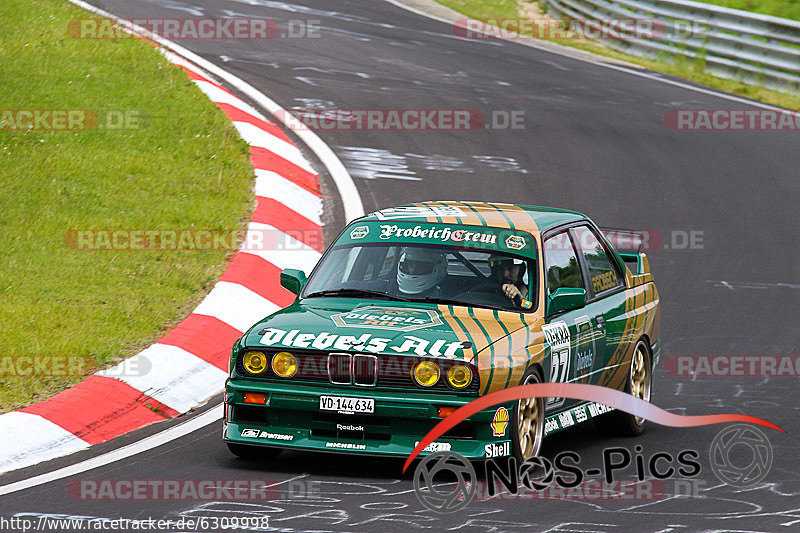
[[490, 292], [487, 286]]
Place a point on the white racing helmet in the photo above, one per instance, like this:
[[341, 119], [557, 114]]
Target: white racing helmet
[[420, 269]]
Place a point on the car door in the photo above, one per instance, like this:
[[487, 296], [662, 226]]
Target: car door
[[573, 335], [605, 305]]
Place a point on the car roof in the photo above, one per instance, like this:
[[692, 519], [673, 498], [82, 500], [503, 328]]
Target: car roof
[[528, 218]]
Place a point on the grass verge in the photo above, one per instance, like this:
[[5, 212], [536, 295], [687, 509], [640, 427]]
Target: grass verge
[[177, 164], [788, 9], [688, 69]]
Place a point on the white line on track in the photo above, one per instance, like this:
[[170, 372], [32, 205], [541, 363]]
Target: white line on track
[[214, 415]]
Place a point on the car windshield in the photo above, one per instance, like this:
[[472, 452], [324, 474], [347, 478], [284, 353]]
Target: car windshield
[[426, 273]]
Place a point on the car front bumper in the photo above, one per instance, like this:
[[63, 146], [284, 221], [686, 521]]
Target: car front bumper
[[292, 418]]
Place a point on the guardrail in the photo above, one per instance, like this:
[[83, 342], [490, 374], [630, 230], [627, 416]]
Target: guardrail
[[756, 49]]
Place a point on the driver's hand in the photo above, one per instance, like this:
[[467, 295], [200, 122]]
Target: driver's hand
[[511, 291]]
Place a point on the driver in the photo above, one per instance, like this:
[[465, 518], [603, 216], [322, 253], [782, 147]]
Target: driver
[[509, 276], [421, 271]]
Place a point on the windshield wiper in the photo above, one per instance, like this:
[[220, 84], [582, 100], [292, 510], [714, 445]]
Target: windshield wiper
[[356, 292]]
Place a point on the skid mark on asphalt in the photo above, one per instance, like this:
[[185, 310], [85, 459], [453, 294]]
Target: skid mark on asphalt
[[501, 164], [313, 104], [375, 163], [196, 11], [737, 285]]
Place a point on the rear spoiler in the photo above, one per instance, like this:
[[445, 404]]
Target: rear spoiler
[[626, 240], [630, 244]]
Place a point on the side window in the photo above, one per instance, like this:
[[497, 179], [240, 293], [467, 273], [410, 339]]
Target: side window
[[602, 271], [561, 262]]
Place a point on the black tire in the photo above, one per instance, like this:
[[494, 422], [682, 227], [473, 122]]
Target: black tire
[[530, 444], [620, 423], [253, 453]]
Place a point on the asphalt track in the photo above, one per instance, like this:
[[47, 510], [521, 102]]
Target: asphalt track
[[594, 140]]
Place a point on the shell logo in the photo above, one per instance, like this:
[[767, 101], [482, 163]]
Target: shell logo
[[500, 422]]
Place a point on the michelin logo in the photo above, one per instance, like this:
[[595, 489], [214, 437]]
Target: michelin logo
[[346, 445]]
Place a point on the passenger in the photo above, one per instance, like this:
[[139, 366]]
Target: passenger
[[510, 277]]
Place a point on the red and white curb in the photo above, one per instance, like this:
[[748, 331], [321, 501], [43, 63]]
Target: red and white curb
[[189, 364]]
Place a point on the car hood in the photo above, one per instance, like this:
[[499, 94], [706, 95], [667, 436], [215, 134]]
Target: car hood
[[388, 327]]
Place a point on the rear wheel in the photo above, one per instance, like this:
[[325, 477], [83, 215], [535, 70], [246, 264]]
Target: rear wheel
[[527, 431], [253, 453], [639, 383]]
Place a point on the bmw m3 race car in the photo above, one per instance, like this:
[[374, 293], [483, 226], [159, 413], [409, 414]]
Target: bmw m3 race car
[[416, 310]]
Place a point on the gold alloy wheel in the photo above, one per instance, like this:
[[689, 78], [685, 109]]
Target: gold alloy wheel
[[530, 422], [640, 376]]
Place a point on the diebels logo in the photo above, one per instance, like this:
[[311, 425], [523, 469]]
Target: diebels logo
[[359, 232], [515, 242], [394, 318]]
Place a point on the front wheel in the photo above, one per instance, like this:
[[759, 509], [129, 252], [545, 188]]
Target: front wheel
[[639, 383], [527, 431]]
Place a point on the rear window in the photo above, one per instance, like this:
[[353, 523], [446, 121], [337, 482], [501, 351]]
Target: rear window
[[603, 273]]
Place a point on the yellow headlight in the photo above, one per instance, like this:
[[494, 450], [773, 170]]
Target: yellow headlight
[[284, 364], [255, 362], [426, 373], [459, 376]]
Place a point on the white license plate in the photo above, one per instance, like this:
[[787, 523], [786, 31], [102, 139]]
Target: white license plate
[[346, 404]]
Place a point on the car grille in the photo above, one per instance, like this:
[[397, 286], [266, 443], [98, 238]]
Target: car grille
[[340, 366], [359, 370]]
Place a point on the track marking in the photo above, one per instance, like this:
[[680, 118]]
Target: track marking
[[209, 417]]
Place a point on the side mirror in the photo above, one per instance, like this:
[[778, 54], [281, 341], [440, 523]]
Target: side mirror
[[566, 299], [293, 280]]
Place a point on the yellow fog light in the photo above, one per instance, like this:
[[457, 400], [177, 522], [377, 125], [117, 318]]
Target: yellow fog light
[[255, 362], [426, 373], [459, 376], [284, 364]]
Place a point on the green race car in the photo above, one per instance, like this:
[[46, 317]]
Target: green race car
[[416, 310]]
